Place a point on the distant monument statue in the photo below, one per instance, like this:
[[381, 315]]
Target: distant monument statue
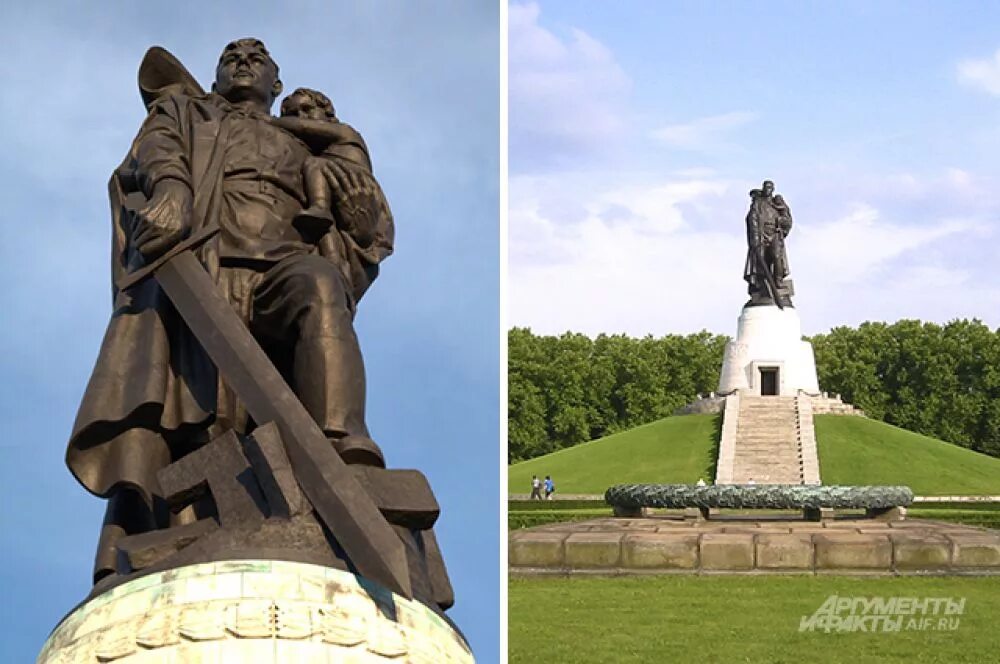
[[768, 356], [768, 224], [224, 421]]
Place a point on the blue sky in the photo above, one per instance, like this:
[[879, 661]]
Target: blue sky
[[420, 81], [637, 129]]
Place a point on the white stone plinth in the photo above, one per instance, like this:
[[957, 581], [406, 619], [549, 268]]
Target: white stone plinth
[[253, 612], [769, 338]]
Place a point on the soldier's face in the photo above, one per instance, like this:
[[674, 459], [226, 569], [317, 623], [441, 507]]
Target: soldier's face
[[245, 73], [768, 188]]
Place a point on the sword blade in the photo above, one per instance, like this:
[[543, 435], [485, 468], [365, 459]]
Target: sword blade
[[340, 501], [772, 287]]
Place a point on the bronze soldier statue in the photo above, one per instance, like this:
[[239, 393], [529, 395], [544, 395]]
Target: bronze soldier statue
[[218, 166], [766, 270]]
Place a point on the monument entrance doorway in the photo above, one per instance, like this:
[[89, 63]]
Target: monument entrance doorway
[[769, 381]]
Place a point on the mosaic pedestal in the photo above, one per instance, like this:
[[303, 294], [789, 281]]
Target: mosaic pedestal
[[260, 611]]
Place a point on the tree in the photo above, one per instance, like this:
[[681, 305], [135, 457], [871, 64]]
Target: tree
[[569, 389], [939, 380]]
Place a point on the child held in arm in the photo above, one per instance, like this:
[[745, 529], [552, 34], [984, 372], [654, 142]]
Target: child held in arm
[[310, 116]]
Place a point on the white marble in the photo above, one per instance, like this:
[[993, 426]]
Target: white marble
[[769, 337]]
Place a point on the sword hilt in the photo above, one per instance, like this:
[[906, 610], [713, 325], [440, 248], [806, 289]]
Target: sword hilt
[[193, 241]]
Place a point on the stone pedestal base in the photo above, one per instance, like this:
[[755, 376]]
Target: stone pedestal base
[[695, 514], [260, 611], [630, 512], [669, 544], [817, 514], [769, 339], [700, 513], [886, 513]]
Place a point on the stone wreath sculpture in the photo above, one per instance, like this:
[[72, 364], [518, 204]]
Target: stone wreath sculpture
[[775, 496]]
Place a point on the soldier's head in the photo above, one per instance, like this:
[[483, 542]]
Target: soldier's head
[[246, 72], [767, 188]]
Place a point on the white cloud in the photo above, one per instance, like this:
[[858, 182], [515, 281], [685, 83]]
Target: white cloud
[[981, 73], [653, 258], [643, 269], [695, 172], [656, 209], [708, 133], [565, 94], [961, 179], [921, 292], [855, 246]]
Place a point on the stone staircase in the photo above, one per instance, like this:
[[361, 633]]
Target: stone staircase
[[825, 404], [767, 448]]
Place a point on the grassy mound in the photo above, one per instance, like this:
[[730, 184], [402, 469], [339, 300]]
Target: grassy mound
[[856, 450], [672, 450], [852, 450]]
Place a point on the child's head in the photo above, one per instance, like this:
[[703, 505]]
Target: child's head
[[307, 103]]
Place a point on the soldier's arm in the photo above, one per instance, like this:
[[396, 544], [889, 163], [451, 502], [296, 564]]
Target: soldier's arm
[[160, 152], [163, 173]]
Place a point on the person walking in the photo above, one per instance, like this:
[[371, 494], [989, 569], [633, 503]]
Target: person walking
[[550, 487], [536, 488]]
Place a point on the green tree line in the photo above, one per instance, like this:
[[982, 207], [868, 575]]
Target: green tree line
[[570, 389], [938, 380]]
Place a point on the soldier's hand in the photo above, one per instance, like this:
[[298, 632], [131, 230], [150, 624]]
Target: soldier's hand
[[164, 220], [358, 200]]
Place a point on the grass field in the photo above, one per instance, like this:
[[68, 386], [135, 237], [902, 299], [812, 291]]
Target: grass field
[[704, 619], [673, 450], [852, 450]]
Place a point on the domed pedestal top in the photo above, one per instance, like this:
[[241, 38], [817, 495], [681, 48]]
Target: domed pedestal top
[[260, 611]]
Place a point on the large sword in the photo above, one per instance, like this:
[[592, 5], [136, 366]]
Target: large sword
[[340, 501], [772, 287]]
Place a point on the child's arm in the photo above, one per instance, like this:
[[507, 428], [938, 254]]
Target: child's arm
[[315, 131]]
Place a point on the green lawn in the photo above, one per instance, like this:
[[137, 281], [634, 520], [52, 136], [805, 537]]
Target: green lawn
[[672, 450], [852, 450], [857, 450], [986, 515], [735, 619], [521, 514], [532, 518]]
